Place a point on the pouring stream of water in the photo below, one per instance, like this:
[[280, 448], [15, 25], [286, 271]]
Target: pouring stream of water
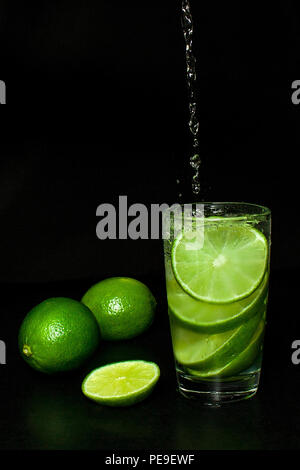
[[188, 29]]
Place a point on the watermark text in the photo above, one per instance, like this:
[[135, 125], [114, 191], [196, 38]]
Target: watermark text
[[2, 92], [296, 93], [137, 221], [296, 354], [2, 352]]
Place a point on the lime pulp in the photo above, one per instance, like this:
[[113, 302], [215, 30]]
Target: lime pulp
[[221, 263]]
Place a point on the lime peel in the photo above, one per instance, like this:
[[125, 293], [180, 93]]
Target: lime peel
[[123, 307], [58, 335]]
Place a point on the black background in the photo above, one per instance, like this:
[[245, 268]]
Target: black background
[[97, 108]]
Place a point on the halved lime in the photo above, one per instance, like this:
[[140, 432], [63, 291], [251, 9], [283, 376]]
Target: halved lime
[[210, 351], [121, 383], [213, 318], [221, 262], [240, 363]]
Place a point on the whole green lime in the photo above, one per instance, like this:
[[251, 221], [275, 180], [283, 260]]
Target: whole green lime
[[58, 335], [123, 307]]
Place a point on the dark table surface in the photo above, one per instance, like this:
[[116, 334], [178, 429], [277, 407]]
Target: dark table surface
[[51, 413]]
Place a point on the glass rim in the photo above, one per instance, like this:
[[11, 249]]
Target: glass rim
[[262, 211]]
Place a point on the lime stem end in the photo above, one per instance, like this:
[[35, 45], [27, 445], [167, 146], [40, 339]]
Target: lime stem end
[[26, 350]]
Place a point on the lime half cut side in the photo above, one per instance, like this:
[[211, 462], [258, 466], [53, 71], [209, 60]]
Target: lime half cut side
[[223, 263], [121, 383]]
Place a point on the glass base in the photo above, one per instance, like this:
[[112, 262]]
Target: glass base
[[217, 392]]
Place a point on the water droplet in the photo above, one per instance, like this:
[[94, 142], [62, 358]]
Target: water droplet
[[195, 161]]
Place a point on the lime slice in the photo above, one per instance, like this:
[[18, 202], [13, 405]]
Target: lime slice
[[240, 363], [121, 383], [213, 318], [221, 263], [210, 351]]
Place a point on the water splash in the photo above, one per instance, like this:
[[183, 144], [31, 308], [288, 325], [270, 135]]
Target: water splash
[[188, 30]]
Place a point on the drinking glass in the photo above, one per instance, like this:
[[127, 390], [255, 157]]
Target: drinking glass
[[217, 264]]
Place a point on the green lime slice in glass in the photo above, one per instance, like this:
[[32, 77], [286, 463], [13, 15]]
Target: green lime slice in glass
[[210, 351], [121, 383], [220, 263], [213, 318], [240, 363]]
